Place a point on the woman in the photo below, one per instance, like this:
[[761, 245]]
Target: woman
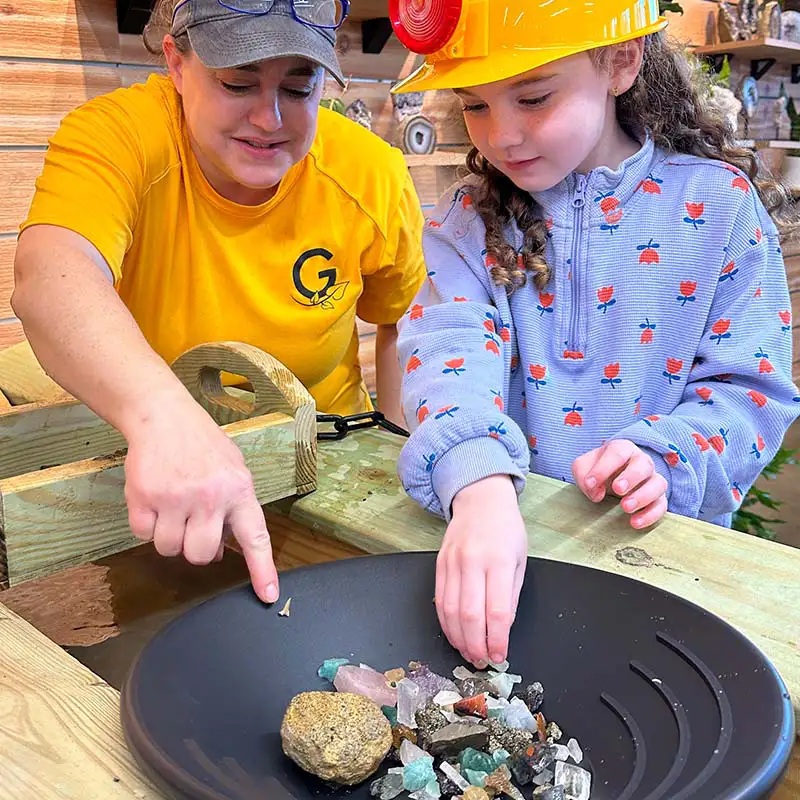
[[219, 203]]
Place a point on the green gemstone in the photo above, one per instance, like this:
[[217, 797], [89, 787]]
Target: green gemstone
[[475, 760], [476, 777], [500, 757], [330, 667], [418, 774], [390, 712]]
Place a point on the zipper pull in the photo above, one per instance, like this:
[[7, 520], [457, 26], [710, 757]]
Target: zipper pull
[[580, 192]]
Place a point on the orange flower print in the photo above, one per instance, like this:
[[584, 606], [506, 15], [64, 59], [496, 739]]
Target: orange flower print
[[417, 311], [648, 253], [606, 297], [764, 365], [545, 303], [537, 376], [687, 295], [695, 214], [422, 411], [573, 416], [740, 183], [611, 372], [720, 330], [647, 329], [701, 442], [704, 393], [414, 363], [758, 446], [651, 185], [459, 299], [498, 400], [532, 445], [672, 372], [729, 271], [573, 355], [786, 319], [756, 237], [759, 399], [455, 366]]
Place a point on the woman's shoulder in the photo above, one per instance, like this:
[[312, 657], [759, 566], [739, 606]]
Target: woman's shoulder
[[138, 123]]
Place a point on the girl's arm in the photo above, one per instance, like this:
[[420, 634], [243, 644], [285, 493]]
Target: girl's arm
[[387, 374], [739, 398]]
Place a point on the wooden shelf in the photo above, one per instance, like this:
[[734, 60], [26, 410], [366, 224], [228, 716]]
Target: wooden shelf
[[776, 144], [783, 52], [438, 159]]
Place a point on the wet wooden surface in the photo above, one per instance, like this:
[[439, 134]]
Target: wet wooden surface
[[104, 612]]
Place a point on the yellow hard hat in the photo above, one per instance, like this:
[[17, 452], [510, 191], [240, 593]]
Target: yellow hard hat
[[473, 42]]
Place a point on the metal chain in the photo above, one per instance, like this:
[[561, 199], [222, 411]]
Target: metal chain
[[356, 422]]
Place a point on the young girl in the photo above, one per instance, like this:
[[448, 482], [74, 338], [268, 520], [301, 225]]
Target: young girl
[[607, 299]]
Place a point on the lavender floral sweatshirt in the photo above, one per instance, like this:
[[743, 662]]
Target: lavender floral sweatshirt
[[667, 322]]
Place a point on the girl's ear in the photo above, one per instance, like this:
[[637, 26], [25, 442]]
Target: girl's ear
[[624, 65]]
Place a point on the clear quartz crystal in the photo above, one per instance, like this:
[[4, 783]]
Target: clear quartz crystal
[[517, 715], [545, 776], [577, 782], [561, 752], [502, 667], [575, 751], [461, 673], [503, 683], [451, 772], [409, 700], [447, 698], [409, 752]]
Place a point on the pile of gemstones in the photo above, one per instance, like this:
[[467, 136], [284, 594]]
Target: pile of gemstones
[[476, 736]]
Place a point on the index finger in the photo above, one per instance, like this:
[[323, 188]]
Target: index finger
[[501, 600], [615, 456], [250, 529]]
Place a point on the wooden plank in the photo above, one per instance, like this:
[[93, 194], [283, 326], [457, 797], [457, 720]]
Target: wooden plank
[[783, 51], [10, 332], [130, 75], [393, 62], [133, 51], [8, 247], [52, 434], [694, 27], [23, 381], [432, 182], [61, 736], [37, 96], [740, 578], [789, 789], [68, 515], [368, 9], [438, 159], [18, 173], [78, 30]]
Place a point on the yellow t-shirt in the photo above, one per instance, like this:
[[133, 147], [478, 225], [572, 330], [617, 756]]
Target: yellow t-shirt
[[342, 236]]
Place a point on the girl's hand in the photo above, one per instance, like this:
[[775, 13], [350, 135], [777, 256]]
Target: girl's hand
[[621, 468], [480, 569], [184, 481]]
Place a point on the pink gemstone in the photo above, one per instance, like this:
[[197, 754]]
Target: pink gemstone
[[367, 682]]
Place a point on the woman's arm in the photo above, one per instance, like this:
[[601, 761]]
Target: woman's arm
[[388, 375], [184, 478]]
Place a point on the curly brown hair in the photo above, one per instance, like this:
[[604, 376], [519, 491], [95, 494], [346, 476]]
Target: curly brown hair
[[670, 99]]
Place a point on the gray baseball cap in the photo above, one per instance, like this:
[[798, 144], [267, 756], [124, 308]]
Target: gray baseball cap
[[224, 37]]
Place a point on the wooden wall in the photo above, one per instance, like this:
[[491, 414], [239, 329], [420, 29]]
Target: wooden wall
[[56, 54]]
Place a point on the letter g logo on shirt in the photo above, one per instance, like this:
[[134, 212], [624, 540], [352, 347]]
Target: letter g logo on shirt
[[329, 292]]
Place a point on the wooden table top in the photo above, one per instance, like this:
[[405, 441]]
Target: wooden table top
[[60, 733]]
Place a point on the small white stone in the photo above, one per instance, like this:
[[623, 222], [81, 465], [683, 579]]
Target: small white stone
[[577, 782], [502, 667], [575, 751], [462, 673], [409, 753], [451, 772], [562, 752], [545, 776], [447, 698], [409, 700]]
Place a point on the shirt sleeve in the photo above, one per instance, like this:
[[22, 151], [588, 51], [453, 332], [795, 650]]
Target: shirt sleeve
[[93, 178], [455, 354], [739, 400], [390, 286]]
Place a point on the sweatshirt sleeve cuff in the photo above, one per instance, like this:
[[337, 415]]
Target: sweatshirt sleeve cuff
[[468, 462]]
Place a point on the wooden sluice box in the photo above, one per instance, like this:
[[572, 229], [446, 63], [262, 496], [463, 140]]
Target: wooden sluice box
[[62, 481]]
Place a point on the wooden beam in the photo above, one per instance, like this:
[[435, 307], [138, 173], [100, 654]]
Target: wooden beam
[[10, 332], [23, 381], [8, 247], [64, 516], [37, 437], [18, 172]]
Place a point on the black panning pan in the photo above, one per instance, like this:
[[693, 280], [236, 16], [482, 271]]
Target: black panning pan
[[667, 700]]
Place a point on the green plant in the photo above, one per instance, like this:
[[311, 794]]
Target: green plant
[[665, 5], [748, 519]]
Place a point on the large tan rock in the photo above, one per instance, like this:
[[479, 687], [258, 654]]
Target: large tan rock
[[337, 736]]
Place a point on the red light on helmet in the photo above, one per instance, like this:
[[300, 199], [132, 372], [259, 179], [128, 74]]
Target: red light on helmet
[[425, 26]]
